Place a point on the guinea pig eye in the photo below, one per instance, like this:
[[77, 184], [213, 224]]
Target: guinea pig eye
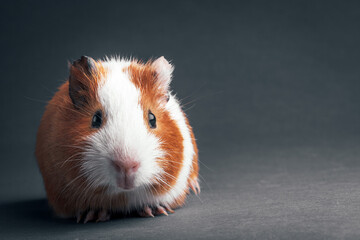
[[96, 120], [152, 120]]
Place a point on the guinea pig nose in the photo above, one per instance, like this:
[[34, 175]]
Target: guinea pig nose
[[128, 166]]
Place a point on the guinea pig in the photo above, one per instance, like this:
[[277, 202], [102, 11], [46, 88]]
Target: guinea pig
[[114, 140]]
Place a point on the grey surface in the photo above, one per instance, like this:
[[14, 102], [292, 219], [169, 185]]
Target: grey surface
[[276, 93]]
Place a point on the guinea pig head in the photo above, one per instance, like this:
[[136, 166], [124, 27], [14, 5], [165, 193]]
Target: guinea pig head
[[130, 130]]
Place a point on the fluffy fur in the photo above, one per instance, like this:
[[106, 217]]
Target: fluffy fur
[[76, 161]]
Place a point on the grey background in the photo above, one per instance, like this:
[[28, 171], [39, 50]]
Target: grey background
[[271, 89]]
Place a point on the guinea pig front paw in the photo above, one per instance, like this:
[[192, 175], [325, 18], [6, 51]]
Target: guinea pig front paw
[[91, 215], [194, 185], [157, 210]]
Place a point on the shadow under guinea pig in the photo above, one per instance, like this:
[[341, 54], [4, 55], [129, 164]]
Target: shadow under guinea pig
[[36, 210], [35, 219]]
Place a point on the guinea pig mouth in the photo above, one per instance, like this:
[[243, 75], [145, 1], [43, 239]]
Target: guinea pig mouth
[[126, 182]]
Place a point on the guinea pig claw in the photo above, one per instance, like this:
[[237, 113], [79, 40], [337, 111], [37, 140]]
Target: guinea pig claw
[[194, 185], [197, 186], [160, 210], [89, 216], [147, 212], [78, 216], [168, 208], [103, 216]]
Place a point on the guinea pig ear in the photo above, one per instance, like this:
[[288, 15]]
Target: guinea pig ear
[[163, 71], [80, 79]]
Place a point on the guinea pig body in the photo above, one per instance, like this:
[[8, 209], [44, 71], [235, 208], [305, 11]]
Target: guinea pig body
[[114, 140]]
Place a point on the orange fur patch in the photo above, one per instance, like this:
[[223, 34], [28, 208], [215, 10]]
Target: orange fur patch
[[195, 165]]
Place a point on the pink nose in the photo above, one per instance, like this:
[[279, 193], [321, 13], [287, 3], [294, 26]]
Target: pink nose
[[129, 166]]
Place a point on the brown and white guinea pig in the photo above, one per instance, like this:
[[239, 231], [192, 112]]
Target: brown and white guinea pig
[[114, 139]]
